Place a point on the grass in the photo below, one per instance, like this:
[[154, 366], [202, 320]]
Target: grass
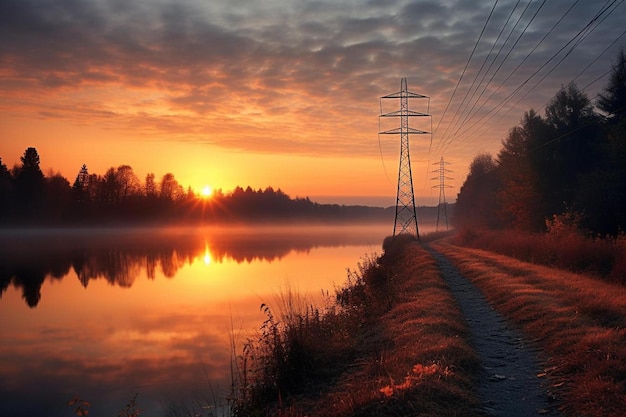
[[391, 342], [567, 249], [577, 321]]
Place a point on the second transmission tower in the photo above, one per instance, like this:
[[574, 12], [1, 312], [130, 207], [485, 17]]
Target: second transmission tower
[[442, 206], [406, 216]]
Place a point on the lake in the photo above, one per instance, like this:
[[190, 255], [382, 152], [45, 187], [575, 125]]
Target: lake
[[109, 313]]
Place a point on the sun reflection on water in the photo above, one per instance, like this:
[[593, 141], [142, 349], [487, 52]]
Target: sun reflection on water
[[207, 255]]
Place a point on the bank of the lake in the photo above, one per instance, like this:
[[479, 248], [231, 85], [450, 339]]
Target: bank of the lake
[[393, 343]]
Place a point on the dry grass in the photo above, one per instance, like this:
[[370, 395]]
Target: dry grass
[[419, 361], [567, 249], [404, 348], [577, 321]]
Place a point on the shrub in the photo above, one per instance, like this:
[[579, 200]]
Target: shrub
[[305, 345]]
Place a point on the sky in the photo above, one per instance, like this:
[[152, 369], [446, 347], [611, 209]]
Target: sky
[[287, 94]]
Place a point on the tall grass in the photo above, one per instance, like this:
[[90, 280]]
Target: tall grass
[[569, 249], [390, 342], [300, 346]]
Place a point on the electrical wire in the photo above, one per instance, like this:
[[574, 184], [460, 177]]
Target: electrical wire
[[598, 57], [471, 112], [578, 42], [577, 39], [463, 104], [466, 65], [553, 27], [595, 81], [495, 109], [380, 146], [592, 99]]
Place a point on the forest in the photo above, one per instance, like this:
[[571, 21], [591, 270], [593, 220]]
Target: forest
[[565, 167], [119, 197]]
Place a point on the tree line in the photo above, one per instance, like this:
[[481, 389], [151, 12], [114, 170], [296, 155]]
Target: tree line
[[121, 258], [569, 163], [119, 197]]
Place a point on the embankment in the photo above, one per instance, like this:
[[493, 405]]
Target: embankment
[[403, 339]]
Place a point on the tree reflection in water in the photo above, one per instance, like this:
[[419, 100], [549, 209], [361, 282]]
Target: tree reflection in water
[[119, 256]]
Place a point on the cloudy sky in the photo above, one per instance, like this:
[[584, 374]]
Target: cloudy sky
[[287, 93]]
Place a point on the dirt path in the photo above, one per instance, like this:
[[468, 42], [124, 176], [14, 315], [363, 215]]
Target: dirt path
[[509, 386]]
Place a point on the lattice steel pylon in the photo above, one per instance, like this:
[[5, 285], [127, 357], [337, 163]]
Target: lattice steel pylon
[[442, 206], [405, 221]]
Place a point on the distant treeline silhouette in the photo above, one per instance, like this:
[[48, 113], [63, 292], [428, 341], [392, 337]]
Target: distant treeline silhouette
[[121, 255], [118, 197], [570, 163]]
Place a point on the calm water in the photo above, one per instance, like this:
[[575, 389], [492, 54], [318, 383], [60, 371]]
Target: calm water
[[106, 314]]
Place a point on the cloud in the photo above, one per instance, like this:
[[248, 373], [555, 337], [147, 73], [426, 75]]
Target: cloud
[[235, 72]]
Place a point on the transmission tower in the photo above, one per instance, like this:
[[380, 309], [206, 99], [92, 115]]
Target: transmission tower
[[406, 217], [442, 206]]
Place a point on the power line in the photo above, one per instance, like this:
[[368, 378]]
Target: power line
[[495, 42], [466, 65], [577, 39], [592, 99], [470, 114], [588, 32], [598, 57], [531, 52], [460, 122], [553, 27], [588, 123]]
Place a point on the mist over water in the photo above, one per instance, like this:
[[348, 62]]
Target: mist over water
[[106, 313]]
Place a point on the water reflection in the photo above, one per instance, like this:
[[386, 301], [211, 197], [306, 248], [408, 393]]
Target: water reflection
[[121, 312], [119, 256]]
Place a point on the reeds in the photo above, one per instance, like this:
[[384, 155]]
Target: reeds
[[292, 352], [391, 342]]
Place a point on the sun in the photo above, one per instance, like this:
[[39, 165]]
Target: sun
[[207, 191]]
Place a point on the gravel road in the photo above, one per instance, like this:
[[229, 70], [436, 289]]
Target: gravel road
[[509, 385]]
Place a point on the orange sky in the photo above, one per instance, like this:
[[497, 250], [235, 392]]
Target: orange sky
[[282, 94]]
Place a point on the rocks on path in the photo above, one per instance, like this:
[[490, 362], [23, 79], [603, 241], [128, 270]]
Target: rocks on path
[[509, 385]]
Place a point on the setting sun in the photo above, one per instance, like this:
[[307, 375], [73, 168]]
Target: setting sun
[[207, 191]]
